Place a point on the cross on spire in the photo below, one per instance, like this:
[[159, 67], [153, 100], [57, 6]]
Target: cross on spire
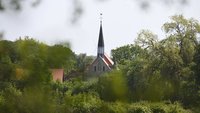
[[101, 17]]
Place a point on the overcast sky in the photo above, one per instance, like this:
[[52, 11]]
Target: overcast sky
[[122, 20]]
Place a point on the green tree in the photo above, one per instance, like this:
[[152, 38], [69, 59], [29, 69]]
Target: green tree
[[60, 56], [8, 56], [184, 32], [112, 87], [123, 55], [15, 4], [11, 100], [33, 61], [197, 66], [83, 61], [182, 37]]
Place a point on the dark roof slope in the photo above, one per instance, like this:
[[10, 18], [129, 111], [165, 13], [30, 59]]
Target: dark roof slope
[[101, 41]]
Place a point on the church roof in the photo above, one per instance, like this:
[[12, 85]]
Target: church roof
[[104, 61], [108, 59]]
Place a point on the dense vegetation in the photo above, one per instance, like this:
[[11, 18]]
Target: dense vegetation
[[151, 75]]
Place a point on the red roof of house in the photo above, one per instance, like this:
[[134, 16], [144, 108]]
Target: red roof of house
[[57, 74]]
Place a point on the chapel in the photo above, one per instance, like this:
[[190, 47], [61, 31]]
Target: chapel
[[102, 63]]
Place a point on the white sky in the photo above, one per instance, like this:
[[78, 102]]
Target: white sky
[[122, 20]]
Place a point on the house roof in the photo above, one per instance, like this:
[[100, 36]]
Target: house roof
[[57, 74]]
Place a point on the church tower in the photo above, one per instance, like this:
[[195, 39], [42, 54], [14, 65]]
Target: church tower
[[102, 63], [100, 50]]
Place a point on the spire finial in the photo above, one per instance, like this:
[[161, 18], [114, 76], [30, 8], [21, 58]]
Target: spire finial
[[101, 17]]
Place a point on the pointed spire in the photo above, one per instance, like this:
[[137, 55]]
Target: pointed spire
[[100, 51], [101, 41]]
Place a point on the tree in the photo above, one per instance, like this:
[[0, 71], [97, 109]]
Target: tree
[[1, 35], [33, 62], [112, 87], [166, 65], [197, 66], [184, 33], [146, 39], [78, 7], [125, 54], [59, 56], [15, 4], [83, 61], [8, 56]]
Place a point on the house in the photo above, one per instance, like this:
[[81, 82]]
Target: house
[[57, 74], [102, 63]]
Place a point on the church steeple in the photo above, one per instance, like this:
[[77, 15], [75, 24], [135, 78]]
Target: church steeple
[[100, 51], [102, 63]]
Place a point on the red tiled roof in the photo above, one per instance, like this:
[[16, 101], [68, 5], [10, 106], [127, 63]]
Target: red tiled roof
[[57, 74], [108, 60]]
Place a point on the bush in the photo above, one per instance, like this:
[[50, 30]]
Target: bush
[[139, 109], [82, 103], [10, 99], [112, 87], [116, 107]]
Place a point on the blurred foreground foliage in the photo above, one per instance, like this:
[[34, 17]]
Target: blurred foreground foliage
[[78, 6], [151, 76], [59, 100]]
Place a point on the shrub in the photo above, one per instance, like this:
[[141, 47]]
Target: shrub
[[82, 103]]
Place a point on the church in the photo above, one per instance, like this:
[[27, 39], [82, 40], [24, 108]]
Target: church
[[102, 63]]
